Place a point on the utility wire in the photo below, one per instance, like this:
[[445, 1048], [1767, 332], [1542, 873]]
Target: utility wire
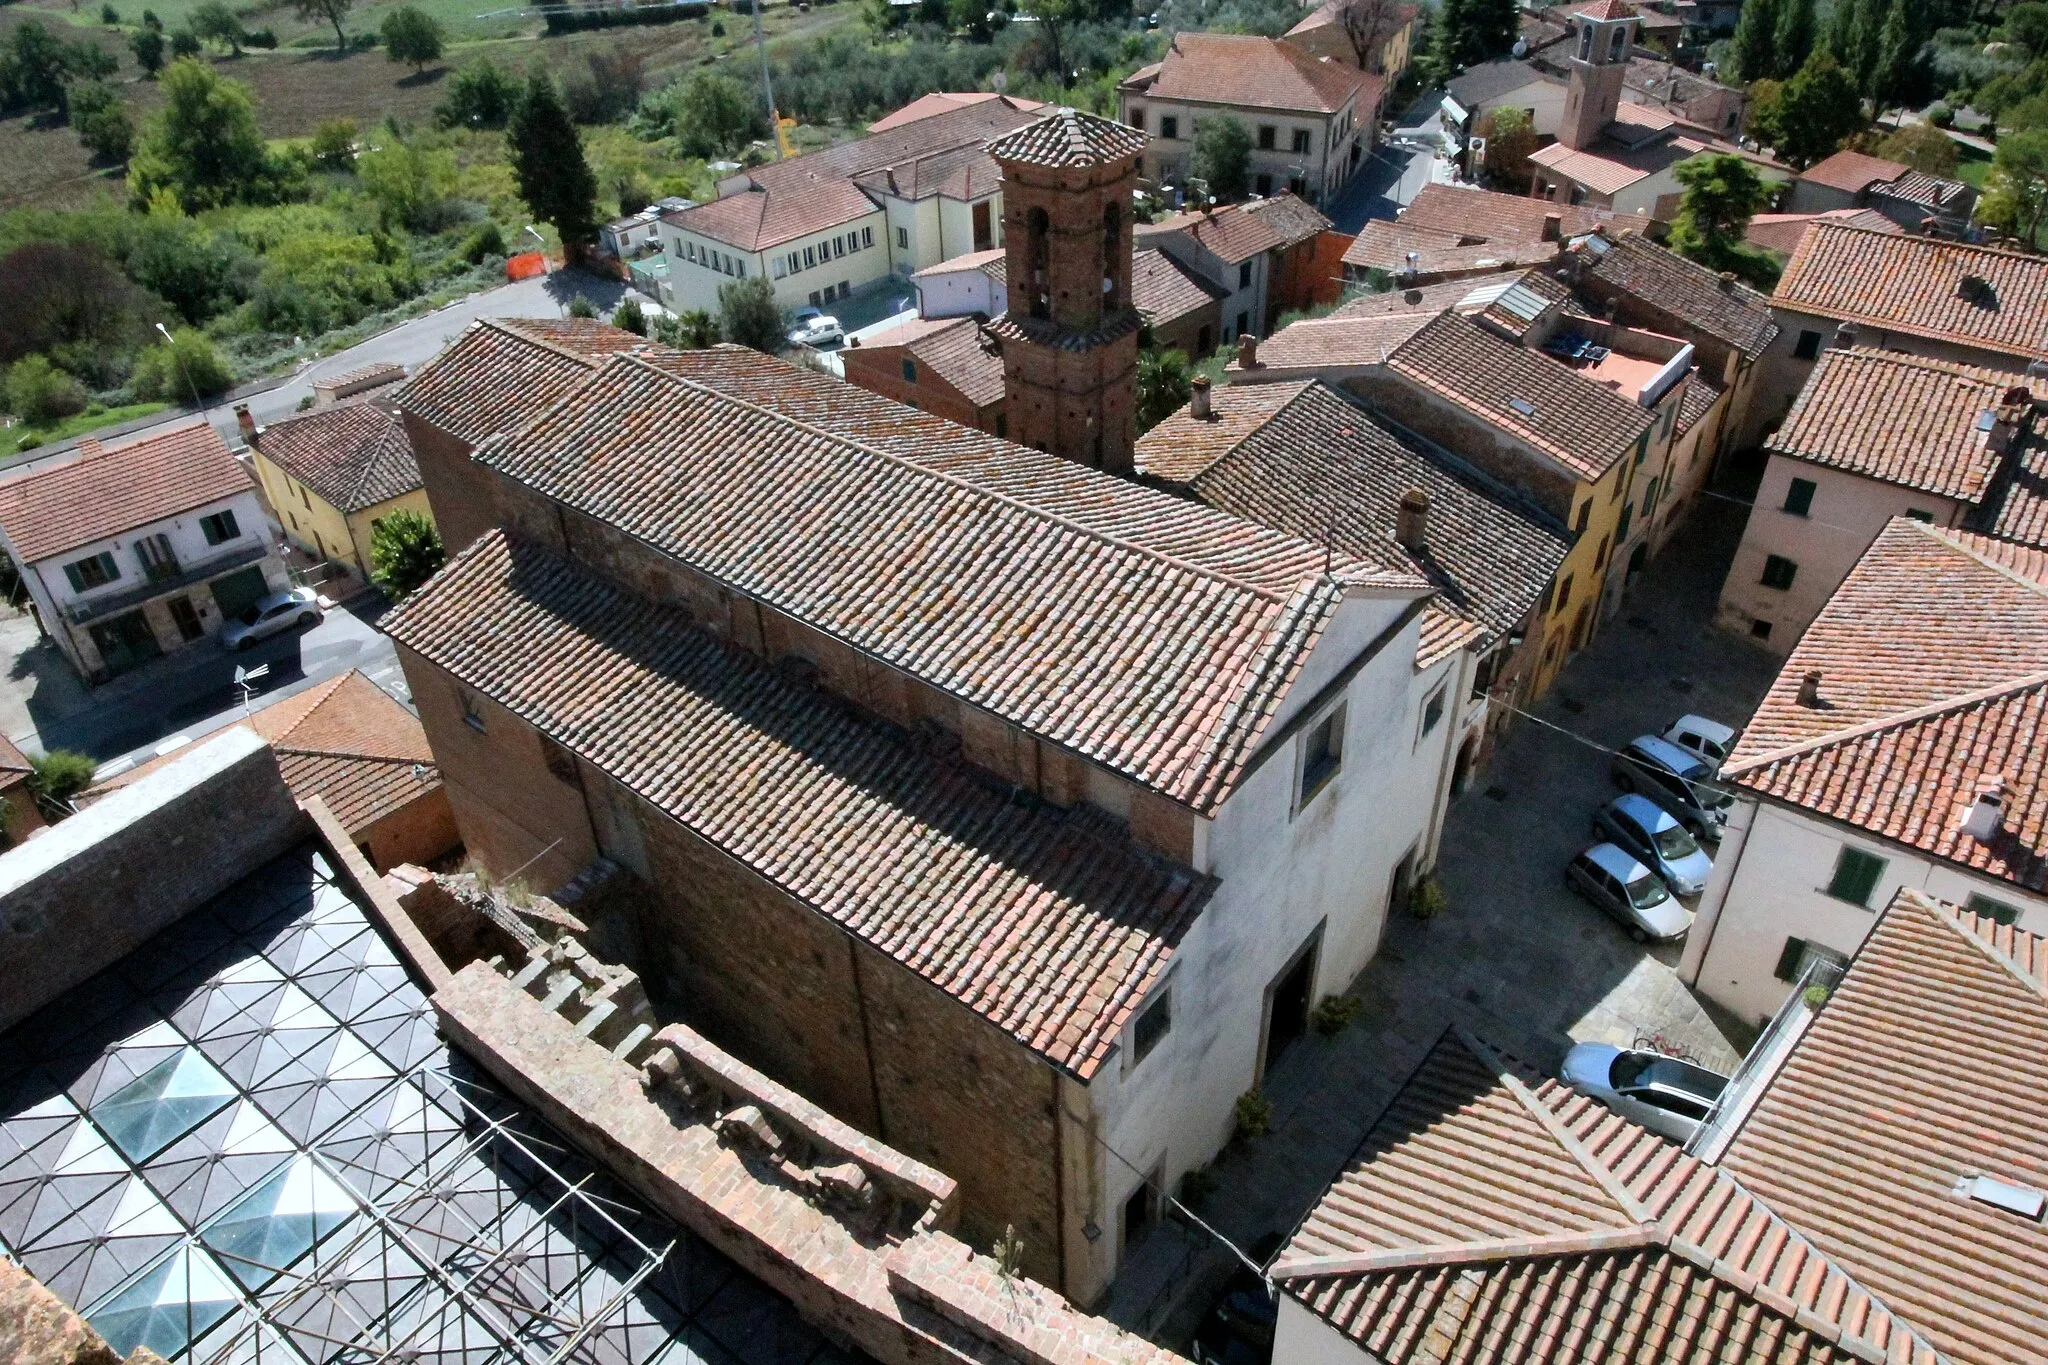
[[1185, 1211], [1711, 784]]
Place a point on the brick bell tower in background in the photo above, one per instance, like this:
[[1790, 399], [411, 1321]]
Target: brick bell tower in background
[[1598, 61], [1070, 337]]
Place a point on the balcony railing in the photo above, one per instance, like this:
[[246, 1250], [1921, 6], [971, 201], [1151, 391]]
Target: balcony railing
[[153, 586], [1809, 996]]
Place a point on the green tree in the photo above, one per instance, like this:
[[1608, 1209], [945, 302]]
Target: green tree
[[1054, 20], [215, 20], [1510, 138], [171, 372], [185, 43], [1756, 40], [148, 46], [1813, 112], [691, 330], [36, 67], [628, 317], [1164, 383], [582, 307], [2026, 27], [1793, 38], [548, 163], [203, 144], [55, 778], [1223, 156], [410, 183], [102, 122], [1922, 146], [37, 391], [748, 315], [334, 145], [479, 96], [1895, 77], [413, 36], [1719, 196], [405, 550], [2016, 191], [326, 12], [712, 114]]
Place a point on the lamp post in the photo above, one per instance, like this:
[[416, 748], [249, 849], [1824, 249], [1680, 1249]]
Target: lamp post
[[179, 361]]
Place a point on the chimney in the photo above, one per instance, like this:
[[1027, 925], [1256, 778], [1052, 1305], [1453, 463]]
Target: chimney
[[1247, 351], [1845, 336], [1986, 815], [1411, 523], [1198, 398], [1809, 689], [246, 423], [1727, 281], [1553, 226]]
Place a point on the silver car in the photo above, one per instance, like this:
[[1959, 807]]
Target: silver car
[[1663, 1094], [1649, 834], [821, 330], [1678, 780], [272, 615], [1630, 892]]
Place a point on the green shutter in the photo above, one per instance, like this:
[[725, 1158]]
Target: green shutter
[[1788, 961], [1799, 498], [77, 579], [1856, 874]]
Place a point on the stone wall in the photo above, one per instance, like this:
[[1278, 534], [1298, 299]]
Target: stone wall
[[96, 886], [458, 489], [1486, 449]]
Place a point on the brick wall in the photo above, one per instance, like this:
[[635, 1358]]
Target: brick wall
[[879, 369], [458, 490], [1474, 441], [418, 832]]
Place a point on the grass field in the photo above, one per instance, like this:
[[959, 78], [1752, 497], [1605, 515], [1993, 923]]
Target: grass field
[[27, 438]]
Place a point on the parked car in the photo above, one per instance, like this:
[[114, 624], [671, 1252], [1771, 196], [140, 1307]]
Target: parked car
[[1630, 892], [1710, 739], [1648, 833], [1663, 1094], [820, 329], [272, 615], [1239, 1327], [1678, 780]]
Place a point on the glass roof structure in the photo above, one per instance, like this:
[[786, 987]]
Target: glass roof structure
[[247, 1142]]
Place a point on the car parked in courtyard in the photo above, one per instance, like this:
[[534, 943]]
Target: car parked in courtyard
[[1653, 837], [1678, 780], [1666, 1095], [272, 615], [819, 329], [1710, 739], [1629, 892]]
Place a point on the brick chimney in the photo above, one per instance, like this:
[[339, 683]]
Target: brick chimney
[[1809, 689], [1198, 398], [1411, 522], [1553, 226], [1986, 815], [1247, 351], [246, 422]]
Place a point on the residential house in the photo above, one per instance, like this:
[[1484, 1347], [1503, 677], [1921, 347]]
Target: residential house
[[20, 816], [1492, 1216], [1311, 118], [333, 474], [637, 234], [1847, 286], [1256, 259], [1183, 309], [348, 743], [1308, 459], [945, 102], [1780, 233], [967, 284], [1504, 83], [1450, 232], [1873, 436], [1694, 97], [1910, 199], [1324, 33], [947, 366], [826, 223], [350, 383], [136, 550], [1898, 748], [1306, 269]]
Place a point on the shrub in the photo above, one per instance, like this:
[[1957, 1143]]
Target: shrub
[[260, 37], [1254, 1116], [171, 373], [148, 46], [1816, 996], [749, 316], [405, 549], [717, 28], [582, 307], [55, 778], [692, 330], [479, 96], [1941, 116], [1427, 899], [628, 317], [412, 36], [334, 145], [185, 43], [39, 392], [102, 123], [1196, 1185], [109, 15], [1334, 1013], [486, 242]]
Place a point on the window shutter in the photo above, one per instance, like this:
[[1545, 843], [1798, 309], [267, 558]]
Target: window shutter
[[77, 579], [1856, 874], [1788, 961]]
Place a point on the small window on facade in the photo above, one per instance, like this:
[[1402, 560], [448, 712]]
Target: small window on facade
[[1799, 954], [1297, 186], [690, 252], [1268, 134], [1322, 755], [1002, 424], [1628, 516], [1600, 556], [471, 716], [1620, 44], [1919, 515], [95, 571], [304, 499], [1808, 346], [1586, 43], [810, 257], [780, 268], [1779, 572], [1856, 875], [1760, 629], [909, 370], [1650, 497], [867, 238], [1301, 141], [1244, 323], [1169, 128], [1432, 711], [1564, 592], [1244, 275], [838, 247], [219, 527], [1137, 119], [816, 298], [1585, 515], [1263, 186], [1799, 497], [2000, 912], [903, 239], [1152, 1026]]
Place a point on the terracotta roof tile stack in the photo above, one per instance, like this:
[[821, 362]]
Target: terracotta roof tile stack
[[1901, 418], [1068, 137], [504, 371], [1974, 296], [355, 455], [1051, 925], [1933, 664], [1492, 1218], [1725, 309], [1927, 1067], [110, 489], [1251, 72]]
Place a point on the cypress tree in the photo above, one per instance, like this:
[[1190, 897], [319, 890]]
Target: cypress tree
[[547, 161], [1756, 34], [1794, 37]]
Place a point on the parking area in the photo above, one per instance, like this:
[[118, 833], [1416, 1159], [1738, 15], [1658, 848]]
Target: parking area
[[1516, 957]]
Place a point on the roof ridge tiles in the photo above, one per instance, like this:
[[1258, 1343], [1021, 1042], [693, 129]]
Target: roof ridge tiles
[[1632, 1238], [1879, 724], [1602, 1174], [1950, 916]]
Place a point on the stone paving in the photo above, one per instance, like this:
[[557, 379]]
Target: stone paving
[[1516, 957]]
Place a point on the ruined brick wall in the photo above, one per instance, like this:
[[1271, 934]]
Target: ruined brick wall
[[458, 490], [418, 832]]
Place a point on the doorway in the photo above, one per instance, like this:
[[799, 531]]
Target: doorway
[[1141, 1211], [1461, 770], [1287, 1003], [125, 641], [984, 235]]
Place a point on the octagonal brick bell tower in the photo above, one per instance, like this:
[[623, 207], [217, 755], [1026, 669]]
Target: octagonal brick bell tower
[[1070, 337]]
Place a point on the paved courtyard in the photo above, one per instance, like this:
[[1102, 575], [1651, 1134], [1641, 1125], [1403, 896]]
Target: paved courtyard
[[1516, 957]]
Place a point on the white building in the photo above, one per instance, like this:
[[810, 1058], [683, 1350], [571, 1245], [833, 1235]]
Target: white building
[[1900, 748], [133, 551]]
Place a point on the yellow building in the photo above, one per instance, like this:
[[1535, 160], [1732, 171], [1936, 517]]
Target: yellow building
[[334, 473]]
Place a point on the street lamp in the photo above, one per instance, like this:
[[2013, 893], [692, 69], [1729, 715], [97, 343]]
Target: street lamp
[[179, 361]]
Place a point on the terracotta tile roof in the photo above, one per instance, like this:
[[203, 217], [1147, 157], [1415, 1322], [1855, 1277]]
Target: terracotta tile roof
[[1051, 926], [1613, 167], [1492, 1218], [1250, 72], [1928, 191], [952, 349], [1916, 285], [1899, 418], [1228, 233], [1927, 1066], [1394, 247], [1429, 298], [1701, 393], [2015, 507], [1726, 310], [973, 260], [355, 455], [1316, 465], [1071, 635], [1459, 229], [1853, 172], [1294, 218], [502, 372], [1494, 216], [1164, 291], [111, 489], [1584, 426], [1782, 232], [1607, 9], [1326, 14], [1328, 343], [359, 790], [942, 102], [1069, 137]]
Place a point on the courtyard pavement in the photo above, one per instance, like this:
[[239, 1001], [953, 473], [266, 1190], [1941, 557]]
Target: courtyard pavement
[[1516, 958]]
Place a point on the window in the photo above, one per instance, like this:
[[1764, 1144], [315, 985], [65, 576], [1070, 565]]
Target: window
[[93, 572], [1322, 755], [1114, 253], [690, 252], [1779, 572], [471, 716], [1856, 874], [903, 239], [867, 238], [1301, 141], [1627, 516], [1244, 281], [1268, 135], [1244, 323], [1585, 515], [1003, 424], [1600, 558], [909, 370], [1760, 629], [1564, 592], [810, 257], [1263, 186], [1432, 711], [1169, 128], [1154, 1024], [187, 620], [1799, 497], [1297, 186], [304, 500], [1586, 42], [780, 268], [838, 247], [153, 552], [1808, 346], [1916, 514], [219, 527], [1137, 119], [1650, 497], [2001, 912], [816, 298], [1619, 45], [1800, 954], [845, 288]]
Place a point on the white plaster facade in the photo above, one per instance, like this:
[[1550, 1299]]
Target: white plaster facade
[[1302, 1338], [823, 264], [1311, 154]]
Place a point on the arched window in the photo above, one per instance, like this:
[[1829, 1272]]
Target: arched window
[[1619, 49], [1039, 229], [909, 370], [1586, 42], [1112, 244]]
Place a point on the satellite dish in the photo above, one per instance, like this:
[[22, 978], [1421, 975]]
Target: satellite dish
[[1521, 48]]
